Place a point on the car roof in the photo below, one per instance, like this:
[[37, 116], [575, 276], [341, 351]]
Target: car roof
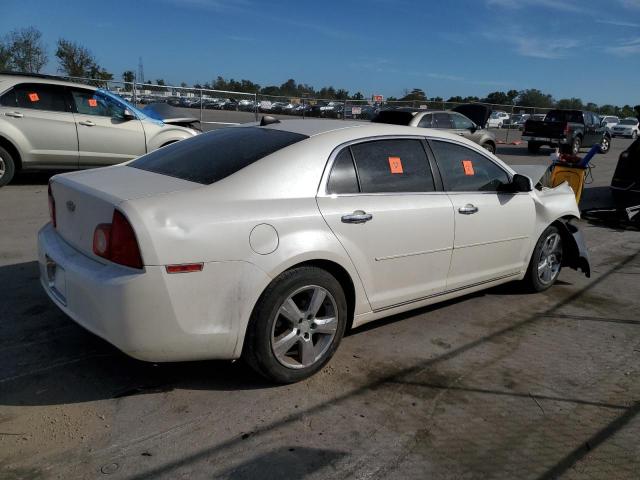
[[10, 79]]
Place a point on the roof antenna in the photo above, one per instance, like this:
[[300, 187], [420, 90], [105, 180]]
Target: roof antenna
[[268, 120]]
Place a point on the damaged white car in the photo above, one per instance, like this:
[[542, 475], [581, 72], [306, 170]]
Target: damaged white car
[[267, 241]]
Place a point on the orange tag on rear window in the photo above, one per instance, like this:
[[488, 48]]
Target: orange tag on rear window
[[395, 164], [93, 102], [34, 97], [468, 167]]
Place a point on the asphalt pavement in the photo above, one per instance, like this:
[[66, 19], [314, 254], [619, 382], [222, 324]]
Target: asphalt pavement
[[498, 384]]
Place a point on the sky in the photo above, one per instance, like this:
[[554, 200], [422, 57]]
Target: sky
[[569, 48]]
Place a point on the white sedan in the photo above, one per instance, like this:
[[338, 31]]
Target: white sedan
[[267, 241]]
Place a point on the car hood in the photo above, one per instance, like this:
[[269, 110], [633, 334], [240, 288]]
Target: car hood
[[170, 114], [478, 114], [534, 172]]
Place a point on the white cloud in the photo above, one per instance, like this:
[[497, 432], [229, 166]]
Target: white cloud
[[566, 5], [626, 48], [619, 23]]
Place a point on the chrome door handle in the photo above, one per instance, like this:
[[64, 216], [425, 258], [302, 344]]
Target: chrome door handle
[[14, 114], [468, 209], [87, 123], [461, 134], [359, 216]]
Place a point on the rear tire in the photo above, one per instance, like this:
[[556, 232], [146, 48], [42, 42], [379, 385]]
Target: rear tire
[[546, 261], [296, 326], [489, 147], [533, 147], [7, 167], [605, 145], [634, 135], [574, 148]]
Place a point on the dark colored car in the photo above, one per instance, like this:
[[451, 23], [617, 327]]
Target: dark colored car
[[625, 185], [569, 129]]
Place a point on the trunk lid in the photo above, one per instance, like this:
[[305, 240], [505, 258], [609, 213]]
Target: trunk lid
[[478, 114], [85, 199]]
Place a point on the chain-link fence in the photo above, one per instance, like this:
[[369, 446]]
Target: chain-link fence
[[200, 103]]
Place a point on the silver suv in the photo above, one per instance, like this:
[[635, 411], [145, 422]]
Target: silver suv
[[51, 124]]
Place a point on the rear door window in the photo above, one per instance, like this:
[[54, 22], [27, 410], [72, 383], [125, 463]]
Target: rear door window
[[212, 156], [8, 99], [343, 178], [40, 96], [465, 170], [398, 165]]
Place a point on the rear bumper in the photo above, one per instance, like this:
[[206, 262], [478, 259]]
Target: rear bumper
[[548, 140], [152, 315]]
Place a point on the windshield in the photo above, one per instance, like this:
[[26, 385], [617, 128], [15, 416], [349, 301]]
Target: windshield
[[138, 113], [629, 122]]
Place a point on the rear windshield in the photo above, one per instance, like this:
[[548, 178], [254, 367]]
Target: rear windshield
[[564, 116], [393, 117], [212, 156]]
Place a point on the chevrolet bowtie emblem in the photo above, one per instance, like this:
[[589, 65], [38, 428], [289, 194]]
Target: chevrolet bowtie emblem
[[71, 206]]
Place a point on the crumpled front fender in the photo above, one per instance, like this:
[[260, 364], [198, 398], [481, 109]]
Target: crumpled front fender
[[576, 255]]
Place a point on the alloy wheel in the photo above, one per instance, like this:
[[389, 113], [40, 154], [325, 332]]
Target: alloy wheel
[[550, 259], [305, 326], [604, 146], [3, 167]]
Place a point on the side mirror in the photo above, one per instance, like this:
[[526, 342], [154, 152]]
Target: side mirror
[[520, 183], [473, 128], [127, 115]]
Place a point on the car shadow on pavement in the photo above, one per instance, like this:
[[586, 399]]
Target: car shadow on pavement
[[35, 178]]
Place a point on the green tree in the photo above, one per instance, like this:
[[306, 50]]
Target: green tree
[[27, 51], [637, 110], [74, 59], [511, 96], [357, 96], [456, 99], [592, 107], [5, 57], [128, 77], [417, 94], [499, 98], [626, 111], [534, 98], [342, 94], [608, 110], [570, 104], [160, 82]]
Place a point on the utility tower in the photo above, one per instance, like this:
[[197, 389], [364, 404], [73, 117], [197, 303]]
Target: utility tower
[[140, 71]]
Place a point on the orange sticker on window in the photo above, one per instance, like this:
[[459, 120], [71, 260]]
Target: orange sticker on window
[[468, 167], [34, 97], [93, 102], [395, 164]]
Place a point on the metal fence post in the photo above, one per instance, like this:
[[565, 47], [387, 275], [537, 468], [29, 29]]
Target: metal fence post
[[201, 100], [255, 105]]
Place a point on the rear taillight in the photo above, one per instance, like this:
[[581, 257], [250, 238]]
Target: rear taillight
[[566, 130], [116, 241], [52, 206]]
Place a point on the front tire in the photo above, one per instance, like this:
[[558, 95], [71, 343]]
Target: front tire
[[7, 167], [546, 261], [296, 326], [634, 135], [605, 145]]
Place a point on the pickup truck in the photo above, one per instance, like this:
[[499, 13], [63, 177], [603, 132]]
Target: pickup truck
[[568, 129]]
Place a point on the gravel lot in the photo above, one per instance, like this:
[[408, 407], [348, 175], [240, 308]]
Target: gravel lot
[[498, 384]]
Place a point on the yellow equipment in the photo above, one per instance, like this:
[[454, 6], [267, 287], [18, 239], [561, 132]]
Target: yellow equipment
[[572, 174]]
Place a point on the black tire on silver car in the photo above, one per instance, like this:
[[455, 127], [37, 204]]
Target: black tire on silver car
[[7, 167], [296, 326], [574, 148], [605, 145], [490, 147], [546, 261]]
